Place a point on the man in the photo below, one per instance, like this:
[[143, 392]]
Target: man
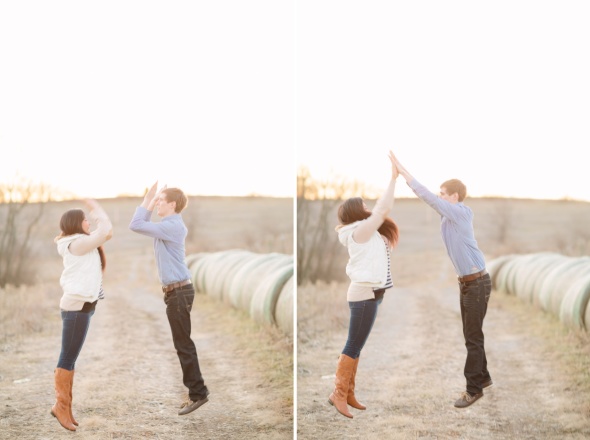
[[474, 282], [169, 236]]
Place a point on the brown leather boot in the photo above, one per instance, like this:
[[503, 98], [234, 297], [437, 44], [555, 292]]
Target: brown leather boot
[[72, 386], [351, 400], [342, 381], [61, 409]]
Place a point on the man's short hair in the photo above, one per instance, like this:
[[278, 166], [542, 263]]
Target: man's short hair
[[176, 195], [455, 186]]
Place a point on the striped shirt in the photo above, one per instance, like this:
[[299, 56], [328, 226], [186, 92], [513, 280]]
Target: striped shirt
[[389, 282]]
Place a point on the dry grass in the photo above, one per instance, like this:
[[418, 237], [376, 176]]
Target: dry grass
[[128, 381], [411, 367]]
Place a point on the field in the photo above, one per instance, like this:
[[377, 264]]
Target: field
[[411, 369], [128, 382]]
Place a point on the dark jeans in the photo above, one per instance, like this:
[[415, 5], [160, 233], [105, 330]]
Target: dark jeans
[[474, 305], [74, 329], [362, 318], [179, 303]]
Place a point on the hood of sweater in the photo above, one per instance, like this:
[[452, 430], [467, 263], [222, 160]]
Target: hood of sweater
[[64, 242], [345, 231]]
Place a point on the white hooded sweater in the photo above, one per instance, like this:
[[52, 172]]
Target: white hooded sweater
[[81, 278], [367, 265]]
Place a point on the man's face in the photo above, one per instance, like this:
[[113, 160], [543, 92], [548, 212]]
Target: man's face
[[165, 208], [444, 194]]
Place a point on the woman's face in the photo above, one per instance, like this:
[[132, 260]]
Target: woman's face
[[86, 225]]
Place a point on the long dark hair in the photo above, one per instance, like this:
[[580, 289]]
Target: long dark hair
[[71, 223], [352, 210]]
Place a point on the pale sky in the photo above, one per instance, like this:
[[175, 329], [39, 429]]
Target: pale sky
[[230, 97], [103, 98], [496, 94]]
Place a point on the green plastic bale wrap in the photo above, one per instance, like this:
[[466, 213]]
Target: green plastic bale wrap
[[208, 270], [228, 279], [221, 268], [575, 303], [537, 274], [253, 282], [249, 275], [192, 258], [197, 267], [559, 280], [504, 275], [529, 270], [284, 310], [266, 295], [494, 267]]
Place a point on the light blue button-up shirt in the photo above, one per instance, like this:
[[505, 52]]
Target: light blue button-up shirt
[[456, 228], [169, 236]]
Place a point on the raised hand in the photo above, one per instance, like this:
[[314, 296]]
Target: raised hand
[[150, 197], [91, 204], [400, 168], [394, 170]]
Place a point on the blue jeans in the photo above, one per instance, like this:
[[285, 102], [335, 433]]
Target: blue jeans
[[362, 318], [74, 329], [474, 305], [179, 303]]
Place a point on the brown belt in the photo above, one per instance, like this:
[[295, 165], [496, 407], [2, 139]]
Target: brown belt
[[473, 276], [171, 287]]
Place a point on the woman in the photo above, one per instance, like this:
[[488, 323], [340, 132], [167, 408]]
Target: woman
[[81, 280], [369, 237]]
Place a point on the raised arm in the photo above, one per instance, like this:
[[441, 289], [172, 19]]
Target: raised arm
[[102, 233], [151, 197], [367, 228], [401, 169]]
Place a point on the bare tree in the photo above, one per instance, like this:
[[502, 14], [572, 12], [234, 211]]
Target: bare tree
[[18, 221], [318, 250], [502, 216]]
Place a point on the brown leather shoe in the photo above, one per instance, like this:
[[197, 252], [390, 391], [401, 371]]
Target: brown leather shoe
[[467, 399], [488, 383], [189, 406]]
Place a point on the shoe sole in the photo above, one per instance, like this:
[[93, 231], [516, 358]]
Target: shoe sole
[[469, 404], [345, 415], [200, 404]]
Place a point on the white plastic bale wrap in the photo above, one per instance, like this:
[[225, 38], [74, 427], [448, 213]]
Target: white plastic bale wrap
[[284, 310], [245, 278], [231, 273], [553, 282], [575, 303], [197, 267], [494, 267], [224, 267], [259, 276], [192, 258], [559, 280], [504, 274], [537, 275], [260, 284], [209, 269], [266, 295]]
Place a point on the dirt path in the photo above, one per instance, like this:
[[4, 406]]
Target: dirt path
[[128, 382], [411, 371]]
